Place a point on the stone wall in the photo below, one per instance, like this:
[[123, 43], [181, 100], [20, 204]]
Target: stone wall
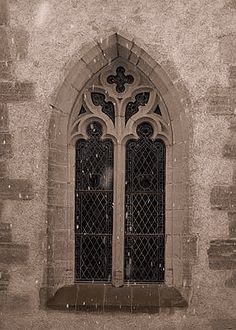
[[194, 43]]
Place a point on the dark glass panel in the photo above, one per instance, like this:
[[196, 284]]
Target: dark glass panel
[[145, 207]]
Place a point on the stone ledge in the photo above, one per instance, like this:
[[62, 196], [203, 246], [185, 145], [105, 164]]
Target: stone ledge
[[12, 253], [105, 297], [11, 91], [16, 189], [222, 254]]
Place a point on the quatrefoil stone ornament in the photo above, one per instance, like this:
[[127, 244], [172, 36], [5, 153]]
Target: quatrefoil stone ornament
[[120, 79]]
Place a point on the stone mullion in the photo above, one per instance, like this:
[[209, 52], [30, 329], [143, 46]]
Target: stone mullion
[[118, 210]]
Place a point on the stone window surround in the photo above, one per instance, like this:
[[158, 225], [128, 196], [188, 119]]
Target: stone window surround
[[60, 266], [120, 134]]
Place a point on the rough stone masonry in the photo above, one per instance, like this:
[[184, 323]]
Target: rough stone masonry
[[48, 51]]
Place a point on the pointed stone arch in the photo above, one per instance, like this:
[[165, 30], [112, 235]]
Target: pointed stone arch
[[60, 216]]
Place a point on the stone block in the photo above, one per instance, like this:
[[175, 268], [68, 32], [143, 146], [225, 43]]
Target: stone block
[[5, 232], [6, 70], [232, 76], [3, 169], [227, 49], [222, 254], [4, 15], [97, 63], [171, 297], [171, 70], [91, 54], [122, 41], [119, 298], [17, 303], [66, 97], [231, 282], [56, 217], [16, 189], [232, 198], [107, 42], [65, 298], [21, 39], [53, 125], [232, 224], [135, 54], [58, 156], [79, 75], [5, 54], [190, 247], [4, 279], [187, 274], [11, 253], [57, 173], [161, 80], [146, 63], [229, 151], [16, 91], [123, 51], [109, 47], [5, 145], [3, 117], [223, 324], [219, 198], [183, 91], [57, 198]]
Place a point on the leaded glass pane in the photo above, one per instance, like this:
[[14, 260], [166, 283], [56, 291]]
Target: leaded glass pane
[[145, 207], [93, 206]]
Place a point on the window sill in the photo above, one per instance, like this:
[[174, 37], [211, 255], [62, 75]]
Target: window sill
[[105, 297]]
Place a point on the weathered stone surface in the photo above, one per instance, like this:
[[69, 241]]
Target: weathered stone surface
[[229, 151], [220, 197], [21, 37], [17, 303], [4, 12], [222, 254], [231, 282], [16, 189], [232, 76], [4, 280], [11, 253], [232, 224], [219, 100], [5, 70], [5, 232], [3, 117], [16, 91], [223, 324], [4, 47], [230, 4], [190, 247], [227, 48], [5, 145], [3, 169]]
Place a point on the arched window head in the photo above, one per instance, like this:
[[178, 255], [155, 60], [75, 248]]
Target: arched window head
[[121, 127]]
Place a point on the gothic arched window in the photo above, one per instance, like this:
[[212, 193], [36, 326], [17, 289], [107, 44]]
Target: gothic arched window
[[121, 132]]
